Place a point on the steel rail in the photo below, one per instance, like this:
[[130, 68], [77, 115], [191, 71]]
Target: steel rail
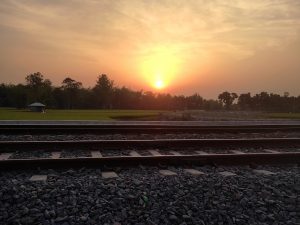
[[210, 159], [6, 146], [141, 128]]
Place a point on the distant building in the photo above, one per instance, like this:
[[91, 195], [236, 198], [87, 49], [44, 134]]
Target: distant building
[[37, 107]]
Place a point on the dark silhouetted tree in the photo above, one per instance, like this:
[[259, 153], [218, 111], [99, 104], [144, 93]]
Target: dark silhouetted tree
[[105, 95], [103, 92], [71, 90], [245, 101], [38, 89], [227, 98]]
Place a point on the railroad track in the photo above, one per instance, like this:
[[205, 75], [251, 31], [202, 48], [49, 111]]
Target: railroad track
[[187, 151], [119, 128], [40, 195]]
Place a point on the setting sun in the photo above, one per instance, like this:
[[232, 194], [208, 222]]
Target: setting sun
[[159, 65], [159, 84]]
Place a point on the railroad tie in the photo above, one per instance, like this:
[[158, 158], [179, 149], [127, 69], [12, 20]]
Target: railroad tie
[[40, 178], [96, 154], [5, 156], [237, 152], [110, 174], [201, 152], [271, 151], [134, 153], [227, 174], [264, 172], [55, 155], [154, 152], [167, 173], [175, 153], [194, 172]]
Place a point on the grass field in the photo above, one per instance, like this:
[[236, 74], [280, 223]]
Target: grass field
[[283, 115], [14, 114]]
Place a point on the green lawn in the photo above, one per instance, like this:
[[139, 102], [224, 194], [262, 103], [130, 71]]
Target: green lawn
[[283, 115], [15, 114]]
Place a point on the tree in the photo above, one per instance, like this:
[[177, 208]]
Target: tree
[[103, 91], [38, 89], [71, 89], [194, 101], [70, 84], [19, 96], [34, 80], [261, 101], [124, 98], [104, 94], [245, 101], [212, 105], [227, 98]]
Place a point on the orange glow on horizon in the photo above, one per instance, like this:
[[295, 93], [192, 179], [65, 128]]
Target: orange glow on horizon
[[159, 84], [159, 65]]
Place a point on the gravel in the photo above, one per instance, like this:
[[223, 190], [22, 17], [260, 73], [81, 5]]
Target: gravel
[[30, 154], [58, 137], [107, 153], [73, 153], [142, 196]]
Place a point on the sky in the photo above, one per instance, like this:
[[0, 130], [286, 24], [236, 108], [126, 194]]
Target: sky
[[174, 46]]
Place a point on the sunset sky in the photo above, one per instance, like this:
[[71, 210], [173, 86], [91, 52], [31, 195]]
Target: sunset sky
[[182, 46]]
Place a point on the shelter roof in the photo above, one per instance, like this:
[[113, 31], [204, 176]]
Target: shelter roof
[[36, 104]]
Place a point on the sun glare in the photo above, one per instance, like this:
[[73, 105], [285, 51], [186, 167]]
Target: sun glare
[[159, 66], [159, 84]]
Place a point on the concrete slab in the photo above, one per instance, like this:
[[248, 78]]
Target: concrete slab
[[5, 156], [194, 172], [237, 152], [134, 153], [55, 155], [154, 152], [264, 172], [175, 153], [201, 152], [41, 178], [227, 174], [271, 151], [96, 154], [106, 175], [167, 173]]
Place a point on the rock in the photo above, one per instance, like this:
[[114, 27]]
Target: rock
[[155, 199], [186, 217], [25, 210], [173, 218], [27, 220], [47, 214], [61, 219], [52, 213], [83, 218], [34, 211]]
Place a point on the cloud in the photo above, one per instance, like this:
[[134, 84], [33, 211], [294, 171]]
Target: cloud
[[106, 23], [117, 33]]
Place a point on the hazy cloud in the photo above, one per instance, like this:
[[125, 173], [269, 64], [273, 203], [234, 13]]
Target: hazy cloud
[[90, 36]]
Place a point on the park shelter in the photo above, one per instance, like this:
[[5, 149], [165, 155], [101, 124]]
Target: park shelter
[[37, 107]]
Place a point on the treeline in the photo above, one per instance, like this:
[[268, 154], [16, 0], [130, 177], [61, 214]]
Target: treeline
[[106, 95]]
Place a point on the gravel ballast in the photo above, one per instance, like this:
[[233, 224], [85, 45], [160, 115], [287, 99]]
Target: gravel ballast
[[75, 153], [62, 137], [142, 196], [30, 154]]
